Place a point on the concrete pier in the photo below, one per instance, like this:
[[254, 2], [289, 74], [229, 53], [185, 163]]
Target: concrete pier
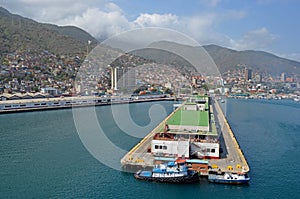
[[139, 156], [234, 160], [27, 105]]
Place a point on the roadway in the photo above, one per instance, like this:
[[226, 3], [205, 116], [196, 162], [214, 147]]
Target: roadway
[[234, 156], [139, 155]]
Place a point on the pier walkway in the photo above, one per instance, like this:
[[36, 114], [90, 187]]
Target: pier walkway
[[139, 155], [235, 159]]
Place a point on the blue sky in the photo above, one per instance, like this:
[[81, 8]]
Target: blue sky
[[269, 25]]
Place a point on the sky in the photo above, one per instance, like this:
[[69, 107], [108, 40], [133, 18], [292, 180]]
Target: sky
[[268, 25]]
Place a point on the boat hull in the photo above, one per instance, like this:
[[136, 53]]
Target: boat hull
[[228, 178], [224, 181], [193, 178]]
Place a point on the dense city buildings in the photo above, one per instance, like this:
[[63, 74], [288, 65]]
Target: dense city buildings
[[283, 77], [31, 72], [248, 74], [123, 79]]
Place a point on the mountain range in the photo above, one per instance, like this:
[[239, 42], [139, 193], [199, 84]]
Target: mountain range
[[17, 32], [259, 61], [224, 58]]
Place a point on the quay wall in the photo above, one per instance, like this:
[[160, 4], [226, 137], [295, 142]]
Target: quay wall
[[128, 159], [233, 138], [14, 106]]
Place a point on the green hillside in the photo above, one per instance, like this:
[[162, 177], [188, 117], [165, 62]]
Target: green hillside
[[19, 33]]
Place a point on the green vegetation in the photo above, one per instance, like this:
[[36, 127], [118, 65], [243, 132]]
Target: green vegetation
[[19, 33], [227, 59]]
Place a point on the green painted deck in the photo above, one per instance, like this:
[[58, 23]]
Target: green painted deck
[[189, 118]]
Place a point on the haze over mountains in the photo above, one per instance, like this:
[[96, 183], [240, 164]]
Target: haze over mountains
[[17, 32], [225, 58], [257, 60]]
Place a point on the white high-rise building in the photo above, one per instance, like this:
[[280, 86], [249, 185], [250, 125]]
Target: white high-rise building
[[283, 77], [123, 78]]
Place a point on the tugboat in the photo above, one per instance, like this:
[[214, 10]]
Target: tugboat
[[171, 172], [228, 178]]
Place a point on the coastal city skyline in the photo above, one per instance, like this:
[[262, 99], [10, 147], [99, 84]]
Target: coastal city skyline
[[256, 25], [62, 81], [53, 71], [99, 95]]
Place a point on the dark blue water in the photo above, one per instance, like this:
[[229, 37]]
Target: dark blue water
[[41, 155]]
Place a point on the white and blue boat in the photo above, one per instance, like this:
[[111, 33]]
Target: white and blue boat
[[171, 172], [228, 178]]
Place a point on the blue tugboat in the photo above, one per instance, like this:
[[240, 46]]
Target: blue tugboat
[[228, 178], [172, 172]]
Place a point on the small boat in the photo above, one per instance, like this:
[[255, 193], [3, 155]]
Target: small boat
[[228, 178], [171, 172], [222, 101]]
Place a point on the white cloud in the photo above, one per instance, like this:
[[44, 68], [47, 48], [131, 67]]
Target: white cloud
[[100, 18], [50, 11], [291, 56], [103, 19], [156, 20], [111, 7], [260, 39], [99, 23], [198, 27]]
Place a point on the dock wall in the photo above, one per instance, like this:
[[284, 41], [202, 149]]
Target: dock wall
[[138, 155], [236, 154]]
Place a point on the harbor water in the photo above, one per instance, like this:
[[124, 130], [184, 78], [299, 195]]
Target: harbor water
[[42, 156]]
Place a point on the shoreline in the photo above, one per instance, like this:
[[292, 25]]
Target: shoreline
[[16, 106]]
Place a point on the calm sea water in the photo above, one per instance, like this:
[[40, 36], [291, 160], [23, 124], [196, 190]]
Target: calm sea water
[[41, 155]]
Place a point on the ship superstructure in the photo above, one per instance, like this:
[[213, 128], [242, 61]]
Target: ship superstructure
[[190, 132]]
